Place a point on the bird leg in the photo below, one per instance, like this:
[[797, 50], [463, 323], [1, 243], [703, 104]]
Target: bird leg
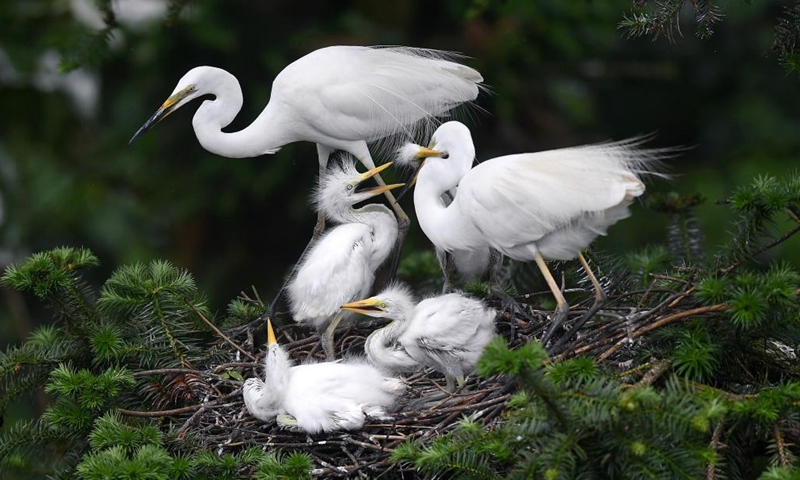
[[451, 384], [326, 338], [562, 308], [323, 153], [508, 304], [448, 269], [599, 294], [403, 222]]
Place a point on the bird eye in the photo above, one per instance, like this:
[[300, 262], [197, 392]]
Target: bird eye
[[383, 305], [350, 186]]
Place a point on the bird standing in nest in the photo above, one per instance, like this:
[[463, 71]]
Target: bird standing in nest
[[318, 397], [446, 333], [340, 266], [529, 206]]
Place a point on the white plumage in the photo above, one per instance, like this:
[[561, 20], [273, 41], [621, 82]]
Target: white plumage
[[339, 97], [446, 333], [340, 266], [528, 206], [319, 396]]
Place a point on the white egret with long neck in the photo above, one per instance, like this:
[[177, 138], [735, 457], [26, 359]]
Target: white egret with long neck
[[446, 333], [340, 266], [340, 97], [529, 206], [318, 397]]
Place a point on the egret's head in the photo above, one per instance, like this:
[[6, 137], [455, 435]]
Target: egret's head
[[197, 82], [450, 154], [343, 186], [394, 302]]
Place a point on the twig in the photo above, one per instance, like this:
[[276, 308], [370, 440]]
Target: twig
[[660, 323], [762, 249], [218, 331], [716, 446], [658, 369], [781, 446]]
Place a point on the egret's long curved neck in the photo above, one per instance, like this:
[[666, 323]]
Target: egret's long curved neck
[[267, 133], [277, 366], [378, 345], [444, 226]]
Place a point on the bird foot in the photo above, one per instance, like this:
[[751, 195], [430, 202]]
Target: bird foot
[[288, 422], [559, 316]]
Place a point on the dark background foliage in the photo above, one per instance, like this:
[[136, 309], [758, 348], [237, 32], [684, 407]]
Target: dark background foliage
[[560, 73]]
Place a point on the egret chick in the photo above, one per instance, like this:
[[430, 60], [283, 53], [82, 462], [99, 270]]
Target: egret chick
[[447, 333], [340, 266], [530, 206], [318, 397]]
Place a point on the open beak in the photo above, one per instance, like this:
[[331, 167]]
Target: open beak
[[378, 189], [420, 157], [270, 334], [169, 106], [363, 306]]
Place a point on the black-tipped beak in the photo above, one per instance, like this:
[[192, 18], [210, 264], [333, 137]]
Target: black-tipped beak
[[170, 105], [157, 117]]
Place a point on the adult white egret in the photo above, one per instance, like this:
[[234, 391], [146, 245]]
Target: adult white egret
[[464, 264], [447, 333], [340, 266], [318, 396], [530, 206], [339, 97]]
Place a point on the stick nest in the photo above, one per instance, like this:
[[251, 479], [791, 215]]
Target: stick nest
[[218, 419]]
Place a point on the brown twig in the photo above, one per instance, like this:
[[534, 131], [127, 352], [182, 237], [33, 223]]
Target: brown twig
[[218, 331], [660, 323]]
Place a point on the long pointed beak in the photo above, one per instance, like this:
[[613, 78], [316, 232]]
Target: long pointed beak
[[270, 334], [421, 156], [371, 173], [170, 105], [378, 189], [363, 306], [425, 152]]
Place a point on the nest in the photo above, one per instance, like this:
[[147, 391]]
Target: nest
[[221, 422]]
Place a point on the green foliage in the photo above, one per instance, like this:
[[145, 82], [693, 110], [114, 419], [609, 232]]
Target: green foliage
[[155, 298], [651, 259], [575, 422], [696, 357], [145, 315], [781, 473]]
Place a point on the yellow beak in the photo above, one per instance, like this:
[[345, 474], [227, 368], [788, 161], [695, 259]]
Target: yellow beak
[[270, 334], [425, 152], [363, 306], [371, 173], [163, 111]]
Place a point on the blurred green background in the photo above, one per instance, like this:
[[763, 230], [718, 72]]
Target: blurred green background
[[560, 73]]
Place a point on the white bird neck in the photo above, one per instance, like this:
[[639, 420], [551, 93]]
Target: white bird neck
[[378, 343], [267, 133], [277, 367], [444, 225]]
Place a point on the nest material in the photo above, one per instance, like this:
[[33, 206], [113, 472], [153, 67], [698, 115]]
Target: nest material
[[222, 423]]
